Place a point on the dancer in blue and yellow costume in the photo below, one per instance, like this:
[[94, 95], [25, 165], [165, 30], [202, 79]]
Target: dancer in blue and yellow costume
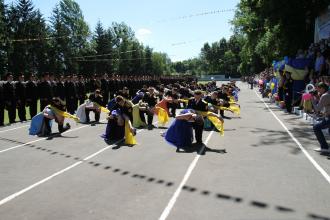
[[120, 122], [180, 132], [41, 124]]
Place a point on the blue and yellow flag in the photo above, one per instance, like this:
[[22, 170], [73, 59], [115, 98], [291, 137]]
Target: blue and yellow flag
[[297, 68]]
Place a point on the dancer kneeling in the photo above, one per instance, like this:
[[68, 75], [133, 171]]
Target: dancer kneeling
[[41, 124], [120, 122], [180, 133], [94, 102]]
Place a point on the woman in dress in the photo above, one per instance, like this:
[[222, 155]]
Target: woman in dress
[[180, 133]]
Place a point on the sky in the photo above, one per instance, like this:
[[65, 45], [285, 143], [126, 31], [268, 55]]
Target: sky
[[175, 27]]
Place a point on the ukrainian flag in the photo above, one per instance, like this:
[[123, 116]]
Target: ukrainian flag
[[297, 68]]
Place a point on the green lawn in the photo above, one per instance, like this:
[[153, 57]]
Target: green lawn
[[204, 82], [6, 121]]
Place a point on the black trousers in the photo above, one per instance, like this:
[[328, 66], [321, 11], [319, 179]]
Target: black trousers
[[105, 100], [33, 107], [198, 132], [288, 103], [280, 93], [222, 112], [21, 110], [173, 107], [97, 115], [2, 113], [70, 105], [150, 117], [43, 104], [11, 108], [74, 105]]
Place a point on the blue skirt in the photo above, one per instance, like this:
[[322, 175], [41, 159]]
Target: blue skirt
[[37, 122], [180, 134]]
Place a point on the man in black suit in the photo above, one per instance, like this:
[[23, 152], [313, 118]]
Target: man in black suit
[[70, 94], [45, 91], [9, 98], [32, 95], [21, 97]]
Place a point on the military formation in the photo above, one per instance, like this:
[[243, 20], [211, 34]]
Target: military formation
[[73, 89]]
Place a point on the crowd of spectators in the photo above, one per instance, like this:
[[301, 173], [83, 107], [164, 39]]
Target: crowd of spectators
[[310, 93]]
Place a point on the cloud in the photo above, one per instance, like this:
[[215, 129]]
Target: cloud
[[143, 34]]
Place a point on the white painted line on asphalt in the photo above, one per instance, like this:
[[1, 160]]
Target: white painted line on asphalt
[[41, 139], [3, 131], [191, 167], [15, 195], [309, 157]]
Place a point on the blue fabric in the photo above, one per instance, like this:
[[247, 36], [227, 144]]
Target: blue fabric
[[137, 98], [298, 87], [111, 104], [323, 124], [36, 122], [180, 133], [275, 81], [300, 64]]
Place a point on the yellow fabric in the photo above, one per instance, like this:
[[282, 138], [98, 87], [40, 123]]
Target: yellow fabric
[[272, 86], [129, 137], [183, 100], [163, 117], [233, 108], [296, 74], [217, 124], [63, 114], [103, 109], [236, 109], [277, 74], [137, 122], [231, 99], [214, 120], [308, 107]]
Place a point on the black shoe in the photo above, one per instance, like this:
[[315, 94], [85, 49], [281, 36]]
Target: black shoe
[[199, 143]]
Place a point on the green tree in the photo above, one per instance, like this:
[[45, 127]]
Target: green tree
[[73, 23], [3, 39], [28, 33], [148, 60]]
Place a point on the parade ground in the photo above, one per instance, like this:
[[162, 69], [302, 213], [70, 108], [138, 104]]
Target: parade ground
[[264, 167]]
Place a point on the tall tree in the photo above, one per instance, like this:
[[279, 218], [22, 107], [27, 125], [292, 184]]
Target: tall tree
[[3, 39], [28, 34], [73, 22]]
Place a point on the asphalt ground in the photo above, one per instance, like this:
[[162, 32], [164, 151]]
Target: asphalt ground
[[256, 171]]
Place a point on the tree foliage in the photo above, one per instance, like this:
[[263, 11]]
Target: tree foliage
[[66, 45]]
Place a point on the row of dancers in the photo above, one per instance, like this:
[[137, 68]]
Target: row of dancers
[[124, 116]]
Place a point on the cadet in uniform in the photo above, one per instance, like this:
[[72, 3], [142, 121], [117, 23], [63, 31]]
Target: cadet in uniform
[[198, 104], [32, 95], [9, 97], [21, 97]]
